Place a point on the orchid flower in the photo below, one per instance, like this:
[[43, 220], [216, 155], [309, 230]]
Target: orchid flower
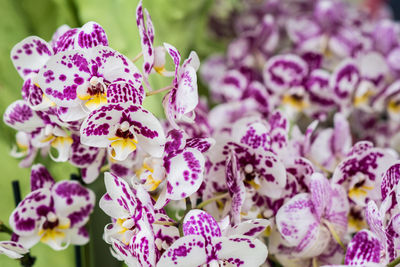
[[132, 234], [120, 128], [32, 53], [308, 221], [180, 102], [53, 213], [203, 243], [83, 80], [184, 165]]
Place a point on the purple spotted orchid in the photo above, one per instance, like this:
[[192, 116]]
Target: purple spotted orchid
[[137, 233], [361, 172], [203, 243], [120, 128], [32, 53], [308, 222], [184, 165], [53, 213], [82, 80], [180, 102]]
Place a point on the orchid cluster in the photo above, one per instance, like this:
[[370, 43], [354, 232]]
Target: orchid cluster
[[295, 164]]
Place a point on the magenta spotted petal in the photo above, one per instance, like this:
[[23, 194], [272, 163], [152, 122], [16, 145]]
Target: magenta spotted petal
[[146, 32], [321, 194], [239, 250], [40, 177], [74, 201], [21, 117], [282, 72], [390, 180], [185, 174], [364, 248], [298, 224], [198, 222], [12, 249], [25, 219], [90, 35], [186, 251], [29, 55]]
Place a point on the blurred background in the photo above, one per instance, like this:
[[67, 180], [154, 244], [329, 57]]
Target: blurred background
[[181, 23]]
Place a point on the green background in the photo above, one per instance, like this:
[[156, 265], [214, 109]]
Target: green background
[[182, 23]]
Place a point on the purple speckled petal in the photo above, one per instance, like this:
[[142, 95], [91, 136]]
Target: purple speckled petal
[[25, 219], [253, 133], [279, 126], [123, 92], [284, 71], [115, 67], [198, 222], [21, 117], [29, 55], [74, 201], [375, 220], [186, 251], [176, 140], [239, 250], [236, 188], [187, 96], [272, 175], [321, 193], [345, 79], [364, 248], [63, 75], [184, 173], [12, 249], [201, 144], [58, 33], [82, 155], [143, 245], [40, 177], [252, 228], [390, 180], [176, 57], [120, 192], [90, 173], [90, 35], [146, 32], [297, 222]]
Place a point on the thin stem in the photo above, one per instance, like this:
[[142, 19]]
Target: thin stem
[[166, 223], [105, 168], [137, 57], [169, 87], [5, 229], [394, 262], [335, 235], [208, 201]]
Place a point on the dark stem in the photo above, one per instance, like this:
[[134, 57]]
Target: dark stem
[[78, 256], [16, 192], [5, 229]]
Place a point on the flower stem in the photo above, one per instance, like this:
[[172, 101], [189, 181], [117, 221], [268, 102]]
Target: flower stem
[[208, 201], [5, 229], [394, 262], [137, 57], [167, 88], [335, 235], [166, 223]]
